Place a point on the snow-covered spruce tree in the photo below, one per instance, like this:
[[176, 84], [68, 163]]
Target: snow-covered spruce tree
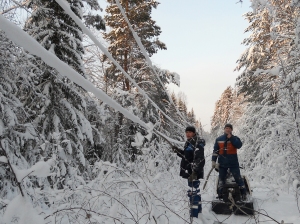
[[259, 87], [287, 108], [19, 140], [129, 137], [191, 117], [50, 25], [270, 125], [238, 107], [260, 54], [61, 118], [182, 105], [174, 130], [168, 127], [222, 112], [216, 119]]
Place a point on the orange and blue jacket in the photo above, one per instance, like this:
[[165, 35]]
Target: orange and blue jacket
[[225, 150]]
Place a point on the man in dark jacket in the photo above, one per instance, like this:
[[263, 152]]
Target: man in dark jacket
[[193, 161], [225, 150], [191, 166]]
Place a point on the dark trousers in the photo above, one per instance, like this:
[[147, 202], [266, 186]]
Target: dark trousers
[[235, 173]]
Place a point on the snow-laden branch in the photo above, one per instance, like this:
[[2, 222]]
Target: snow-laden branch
[[18, 5], [142, 48], [11, 168], [65, 5], [23, 39]]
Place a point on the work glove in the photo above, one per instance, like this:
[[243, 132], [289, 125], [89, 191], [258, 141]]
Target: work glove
[[175, 148], [193, 176], [217, 167], [213, 164]]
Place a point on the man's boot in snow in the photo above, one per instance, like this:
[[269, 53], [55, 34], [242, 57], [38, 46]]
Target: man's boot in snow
[[243, 193], [220, 193], [195, 198]]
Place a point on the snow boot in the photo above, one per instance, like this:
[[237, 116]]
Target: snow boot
[[220, 193], [243, 193], [195, 202]]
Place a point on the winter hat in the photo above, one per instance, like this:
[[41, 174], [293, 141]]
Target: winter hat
[[228, 126], [190, 128]]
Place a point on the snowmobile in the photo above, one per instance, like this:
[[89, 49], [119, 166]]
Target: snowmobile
[[231, 200]]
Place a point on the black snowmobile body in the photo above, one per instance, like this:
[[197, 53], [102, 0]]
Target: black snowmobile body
[[231, 201]]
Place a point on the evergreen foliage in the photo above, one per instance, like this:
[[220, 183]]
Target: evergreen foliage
[[61, 107], [268, 87], [123, 47]]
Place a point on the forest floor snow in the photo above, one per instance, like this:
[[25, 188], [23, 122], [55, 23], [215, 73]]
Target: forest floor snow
[[281, 206]]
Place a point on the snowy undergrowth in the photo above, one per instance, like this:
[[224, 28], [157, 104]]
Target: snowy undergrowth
[[148, 190]]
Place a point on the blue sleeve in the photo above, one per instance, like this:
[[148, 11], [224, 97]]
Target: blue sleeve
[[236, 142], [216, 151]]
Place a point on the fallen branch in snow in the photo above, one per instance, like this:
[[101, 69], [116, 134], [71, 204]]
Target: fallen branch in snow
[[84, 209], [208, 175], [171, 210], [103, 192], [240, 208], [12, 170], [297, 198]]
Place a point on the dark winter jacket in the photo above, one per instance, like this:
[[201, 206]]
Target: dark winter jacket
[[225, 149], [192, 157]]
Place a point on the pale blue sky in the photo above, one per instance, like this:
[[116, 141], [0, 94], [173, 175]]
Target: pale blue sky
[[203, 38]]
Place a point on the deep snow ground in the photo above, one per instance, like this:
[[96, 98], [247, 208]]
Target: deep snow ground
[[149, 191], [282, 207]]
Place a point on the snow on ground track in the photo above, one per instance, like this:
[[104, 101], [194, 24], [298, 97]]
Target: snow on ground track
[[282, 207], [285, 208]]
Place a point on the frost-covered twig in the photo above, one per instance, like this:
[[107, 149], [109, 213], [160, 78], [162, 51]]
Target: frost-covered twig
[[84, 209], [297, 198], [12, 170], [117, 201], [18, 5]]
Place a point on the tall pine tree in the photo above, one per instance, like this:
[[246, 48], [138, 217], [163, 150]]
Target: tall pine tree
[[126, 52], [122, 46]]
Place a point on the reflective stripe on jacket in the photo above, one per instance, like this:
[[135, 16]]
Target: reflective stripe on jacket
[[227, 154], [230, 149]]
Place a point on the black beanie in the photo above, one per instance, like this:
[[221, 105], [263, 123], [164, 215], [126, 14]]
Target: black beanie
[[190, 128], [228, 126]]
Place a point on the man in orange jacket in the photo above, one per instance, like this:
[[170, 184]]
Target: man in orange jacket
[[225, 150]]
